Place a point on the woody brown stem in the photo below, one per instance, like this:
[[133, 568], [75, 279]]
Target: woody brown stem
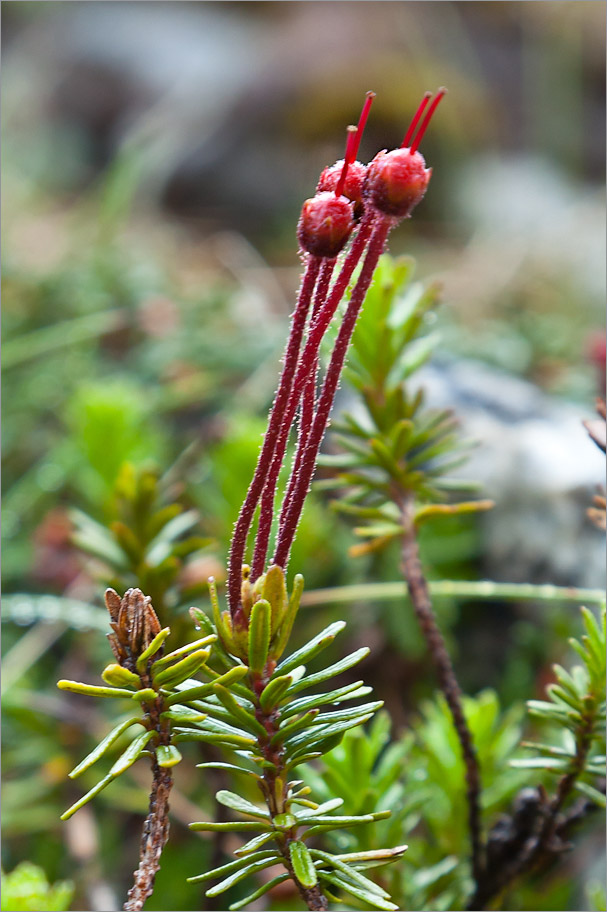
[[156, 827], [313, 897], [534, 848], [422, 605], [153, 839]]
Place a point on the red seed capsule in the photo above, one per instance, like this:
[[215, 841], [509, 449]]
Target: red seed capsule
[[397, 181], [353, 184], [325, 224]]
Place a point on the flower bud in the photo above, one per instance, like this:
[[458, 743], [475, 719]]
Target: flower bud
[[353, 184], [325, 224], [397, 181]]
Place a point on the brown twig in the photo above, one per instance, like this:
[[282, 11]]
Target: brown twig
[[545, 838], [420, 598], [153, 839]]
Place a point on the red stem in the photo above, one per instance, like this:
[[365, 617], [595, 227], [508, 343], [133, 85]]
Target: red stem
[[266, 515], [306, 362], [291, 512], [243, 523], [308, 401]]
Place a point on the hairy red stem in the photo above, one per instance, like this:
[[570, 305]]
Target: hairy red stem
[[306, 362], [291, 513], [308, 404], [266, 515], [245, 518]]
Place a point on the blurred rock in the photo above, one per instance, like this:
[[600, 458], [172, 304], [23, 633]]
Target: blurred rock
[[535, 459]]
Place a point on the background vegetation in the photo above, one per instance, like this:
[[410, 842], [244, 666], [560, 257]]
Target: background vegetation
[[155, 159]]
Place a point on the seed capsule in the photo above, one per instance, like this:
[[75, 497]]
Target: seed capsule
[[353, 183], [325, 224], [397, 181]]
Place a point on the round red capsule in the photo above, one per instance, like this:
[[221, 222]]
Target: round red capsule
[[353, 183], [397, 181], [325, 224]]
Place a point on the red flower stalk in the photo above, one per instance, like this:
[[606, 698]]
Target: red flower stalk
[[323, 227], [382, 194], [396, 182], [292, 507], [266, 515], [243, 523]]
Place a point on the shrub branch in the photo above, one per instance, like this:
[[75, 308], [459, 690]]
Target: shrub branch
[[420, 598]]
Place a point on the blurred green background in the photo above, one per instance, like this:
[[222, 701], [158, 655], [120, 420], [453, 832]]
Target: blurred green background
[[155, 158]]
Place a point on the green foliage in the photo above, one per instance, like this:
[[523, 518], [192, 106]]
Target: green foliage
[[274, 730], [143, 675], [398, 445], [112, 422], [147, 541], [26, 889], [575, 715], [420, 777]]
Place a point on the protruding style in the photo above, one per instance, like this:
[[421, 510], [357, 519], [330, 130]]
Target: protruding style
[[397, 180]]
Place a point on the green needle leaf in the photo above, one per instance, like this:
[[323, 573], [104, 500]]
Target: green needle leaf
[[232, 826], [161, 663], [93, 691], [319, 733], [131, 754], [228, 766], [86, 798], [146, 695], [183, 715], [236, 803], [239, 715], [284, 631], [232, 866], [233, 741], [303, 866], [365, 896], [167, 755], [307, 652], [255, 843], [117, 676], [177, 674], [349, 692], [259, 635], [152, 648], [187, 694], [242, 903], [311, 680], [240, 875], [274, 691], [294, 726], [349, 872], [102, 747]]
